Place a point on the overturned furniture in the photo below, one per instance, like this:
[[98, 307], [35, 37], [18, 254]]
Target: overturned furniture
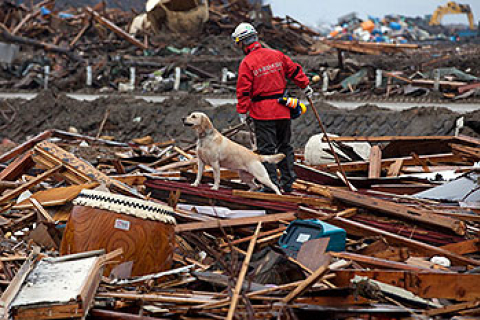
[[144, 230], [53, 288]]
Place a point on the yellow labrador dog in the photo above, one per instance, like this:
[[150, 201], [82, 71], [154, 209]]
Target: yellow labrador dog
[[217, 151]]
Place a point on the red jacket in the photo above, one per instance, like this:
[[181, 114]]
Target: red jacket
[[263, 73]]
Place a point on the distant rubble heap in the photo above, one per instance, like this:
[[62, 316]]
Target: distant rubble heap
[[185, 46]]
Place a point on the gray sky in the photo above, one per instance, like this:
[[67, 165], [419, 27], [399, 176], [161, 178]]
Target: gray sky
[[312, 11]]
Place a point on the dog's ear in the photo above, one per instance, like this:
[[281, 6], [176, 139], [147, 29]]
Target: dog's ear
[[205, 123]]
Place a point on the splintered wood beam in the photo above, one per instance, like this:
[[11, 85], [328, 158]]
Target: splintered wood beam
[[246, 239], [407, 161], [17, 168], [455, 308], [427, 285], [243, 272], [395, 168], [113, 27], [377, 263], [46, 216], [27, 18], [468, 152], [283, 198], [16, 192], [421, 162], [375, 165], [217, 223], [399, 210], [464, 247], [25, 146], [79, 35], [10, 38]]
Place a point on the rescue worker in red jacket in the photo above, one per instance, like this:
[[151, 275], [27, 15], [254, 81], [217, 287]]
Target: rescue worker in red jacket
[[261, 83]]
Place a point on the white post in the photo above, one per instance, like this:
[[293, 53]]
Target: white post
[[178, 73], [224, 75], [436, 84], [325, 82], [46, 77], [459, 125], [89, 76], [378, 79], [132, 76]]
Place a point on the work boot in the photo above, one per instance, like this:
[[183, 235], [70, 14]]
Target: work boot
[[265, 190], [287, 187]]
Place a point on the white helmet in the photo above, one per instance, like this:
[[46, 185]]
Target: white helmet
[[244, 31]]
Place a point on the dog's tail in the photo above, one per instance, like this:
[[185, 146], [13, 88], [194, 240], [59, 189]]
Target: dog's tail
[[276, 158]]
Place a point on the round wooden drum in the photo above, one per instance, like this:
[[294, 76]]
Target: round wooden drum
[[144, 230]]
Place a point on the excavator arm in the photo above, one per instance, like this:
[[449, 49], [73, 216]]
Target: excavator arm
[[452, 8], [471, 21]]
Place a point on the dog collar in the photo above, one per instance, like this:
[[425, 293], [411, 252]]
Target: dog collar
[[205, 133]]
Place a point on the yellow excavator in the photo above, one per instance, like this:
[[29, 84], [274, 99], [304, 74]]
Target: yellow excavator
[[452, 8]]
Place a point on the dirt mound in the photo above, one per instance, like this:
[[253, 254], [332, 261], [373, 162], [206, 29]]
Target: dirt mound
[[368, 107], [133, 118], [129, 117]]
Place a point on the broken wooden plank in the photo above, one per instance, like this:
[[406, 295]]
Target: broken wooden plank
[[428, 285], [307, 282], [284, 198], [9, 38], [113, 27], [395, 168], [243, 272], [455, 308], [27, 18], [25, 146], [46, 216], [18, 167], [375, 165], [407, 161], [468, 152], [54, 196], [77, 170], [399, 210], [215, 224], [464, 247], [16, 192], [421, 162], [468, 87], [376, 263]]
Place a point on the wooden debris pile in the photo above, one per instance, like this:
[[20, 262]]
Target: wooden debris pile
[[402, 240], [355, 70], [92, 47]]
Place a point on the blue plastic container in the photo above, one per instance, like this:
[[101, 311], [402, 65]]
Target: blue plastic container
[[395, 25], [301, 231]]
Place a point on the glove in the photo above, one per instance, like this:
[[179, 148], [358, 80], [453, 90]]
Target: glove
[[308, 91], [242, 117]]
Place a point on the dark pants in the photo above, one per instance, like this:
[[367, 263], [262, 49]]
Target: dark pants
[[273, 136]]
